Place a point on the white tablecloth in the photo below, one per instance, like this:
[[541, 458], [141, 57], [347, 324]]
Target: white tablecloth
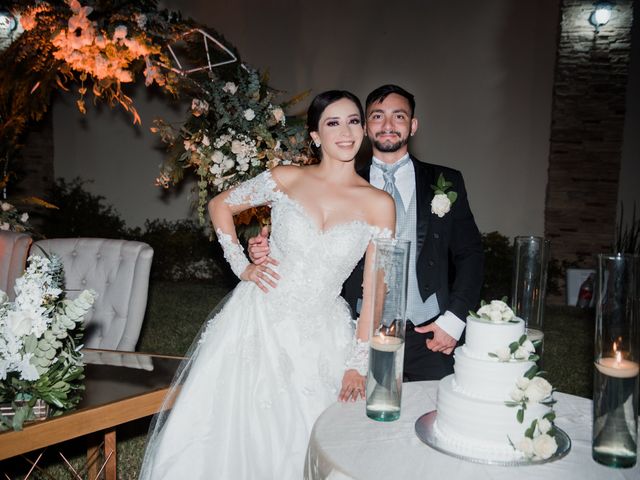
[[346, 444]]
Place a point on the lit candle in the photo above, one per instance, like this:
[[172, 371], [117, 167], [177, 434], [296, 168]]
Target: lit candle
[[384, 343], [617, 366]]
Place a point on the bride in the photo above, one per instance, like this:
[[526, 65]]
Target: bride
[[282, 348]]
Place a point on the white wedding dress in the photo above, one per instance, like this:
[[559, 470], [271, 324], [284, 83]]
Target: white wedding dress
[[266, 365]]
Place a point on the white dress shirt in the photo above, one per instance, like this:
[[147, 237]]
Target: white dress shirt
[[405, 180]]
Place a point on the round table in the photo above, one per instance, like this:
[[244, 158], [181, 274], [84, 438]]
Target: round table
[[345, 444]]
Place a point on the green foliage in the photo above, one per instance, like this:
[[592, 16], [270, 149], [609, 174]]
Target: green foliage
[[80, 213]]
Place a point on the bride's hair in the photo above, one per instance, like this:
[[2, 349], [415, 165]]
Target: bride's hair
[[318, 105]]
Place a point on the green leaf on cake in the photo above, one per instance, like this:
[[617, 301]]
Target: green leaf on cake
[[510, 403], [531, 372], [520, 415], [492, 355], [513, 346], [530, 431], [473, 314], [551, 416], [522, 339], [534, 358]]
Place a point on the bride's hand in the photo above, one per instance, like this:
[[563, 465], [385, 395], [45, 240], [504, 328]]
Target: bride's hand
[[260, 274], [352, 386]]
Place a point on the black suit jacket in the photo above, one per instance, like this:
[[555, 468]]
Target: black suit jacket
[[450, 258]]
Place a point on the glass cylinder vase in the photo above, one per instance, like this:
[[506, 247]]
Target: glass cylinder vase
[[615, 384], [529, 285], [387, 335]]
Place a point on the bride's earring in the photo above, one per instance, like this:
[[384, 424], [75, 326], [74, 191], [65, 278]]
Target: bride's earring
[[317, 143]]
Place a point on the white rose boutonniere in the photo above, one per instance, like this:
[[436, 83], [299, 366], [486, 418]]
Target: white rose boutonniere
[[442, 200]]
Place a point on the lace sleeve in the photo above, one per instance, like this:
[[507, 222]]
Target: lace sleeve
[[233, 253], [260, 190], [377, 232], [358, 358]]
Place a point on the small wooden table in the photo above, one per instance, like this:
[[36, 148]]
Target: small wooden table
[[119, 387]]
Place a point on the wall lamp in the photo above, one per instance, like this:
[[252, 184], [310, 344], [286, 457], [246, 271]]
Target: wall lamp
[[600, 15], [8, 23]]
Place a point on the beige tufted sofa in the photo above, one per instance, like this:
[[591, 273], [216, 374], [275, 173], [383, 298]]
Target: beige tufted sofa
[[14, 248], [119, 271]]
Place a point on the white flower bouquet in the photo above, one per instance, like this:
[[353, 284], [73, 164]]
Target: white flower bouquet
[[40, 335], [233, 132], [497, 311]]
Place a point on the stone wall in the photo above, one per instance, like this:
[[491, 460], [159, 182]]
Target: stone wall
[[587, 127]]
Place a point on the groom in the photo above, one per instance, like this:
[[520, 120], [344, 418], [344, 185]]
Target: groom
[[446, 260]]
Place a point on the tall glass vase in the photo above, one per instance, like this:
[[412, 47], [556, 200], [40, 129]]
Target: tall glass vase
[[529, 285], [388, 320], [617, 353]]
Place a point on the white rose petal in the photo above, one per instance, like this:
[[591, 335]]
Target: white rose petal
[[230, 87], [521, 354], [525, 446], [120, 32], [499, 305], [249, 114], [228, 163], [217, 157], [495, 316], [544, 446], [278, 114], [517, 395], [523, 383], [28, 372], [528, 346], [440, 205], [205, 141], [538, 389], [485, 309], [544, 425], [504, 354]]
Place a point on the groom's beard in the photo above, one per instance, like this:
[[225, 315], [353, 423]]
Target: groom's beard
[[391, 147]]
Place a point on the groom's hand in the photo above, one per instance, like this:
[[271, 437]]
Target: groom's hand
[[441, 341], [259, 249]]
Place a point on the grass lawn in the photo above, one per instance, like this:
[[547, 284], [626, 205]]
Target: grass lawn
[[176, 311]]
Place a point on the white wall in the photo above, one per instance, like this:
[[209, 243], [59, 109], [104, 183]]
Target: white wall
[[482, 74]]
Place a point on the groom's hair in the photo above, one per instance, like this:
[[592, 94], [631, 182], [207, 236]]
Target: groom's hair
[[380, 93]]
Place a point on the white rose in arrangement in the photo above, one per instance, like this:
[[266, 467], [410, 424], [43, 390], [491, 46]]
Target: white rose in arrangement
[[199, 107], [228, 163], [538, 389], [24, 217], [504, 354], [544, 425], [120, 32], [525, 446], [528, 346], [19, 323], [205, 141], [217, 156], [495, 316], [485, 309], [278, 114], [249, 114], [517, 395], [5, 226], [440, 205], [544, 446], [6, 206], [28, 371], [230, 87], [521, 354], [237, 147], [523, 383]]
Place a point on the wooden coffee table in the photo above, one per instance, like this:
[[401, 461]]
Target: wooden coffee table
[[119, 387]]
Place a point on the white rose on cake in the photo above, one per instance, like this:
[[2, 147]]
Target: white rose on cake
[[497, 312], [544, 425], [503, 354], [544, 446], [538, 389], [525, 446]]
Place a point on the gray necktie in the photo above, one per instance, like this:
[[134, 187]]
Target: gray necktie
[[389, 176]]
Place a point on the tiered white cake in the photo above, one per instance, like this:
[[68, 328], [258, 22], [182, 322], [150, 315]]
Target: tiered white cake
[[472, 416]]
